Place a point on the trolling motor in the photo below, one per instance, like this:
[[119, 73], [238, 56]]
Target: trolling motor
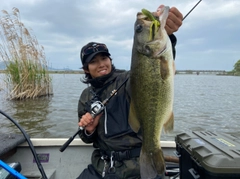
[[96, 108]]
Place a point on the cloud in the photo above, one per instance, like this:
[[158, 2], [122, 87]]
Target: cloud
[[206, 40]]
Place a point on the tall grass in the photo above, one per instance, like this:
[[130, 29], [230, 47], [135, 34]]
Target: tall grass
[[26, 67]]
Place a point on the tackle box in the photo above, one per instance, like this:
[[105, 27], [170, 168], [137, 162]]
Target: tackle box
[[208, 155]]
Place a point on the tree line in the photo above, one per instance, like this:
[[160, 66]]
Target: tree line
[[236, 69]]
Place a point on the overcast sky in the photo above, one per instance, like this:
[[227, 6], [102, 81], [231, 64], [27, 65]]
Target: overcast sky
[[209, 38]]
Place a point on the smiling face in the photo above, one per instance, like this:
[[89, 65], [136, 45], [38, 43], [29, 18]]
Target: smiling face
[[99, 65]]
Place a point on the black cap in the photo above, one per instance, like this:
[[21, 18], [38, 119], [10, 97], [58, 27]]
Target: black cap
[[91, 49]]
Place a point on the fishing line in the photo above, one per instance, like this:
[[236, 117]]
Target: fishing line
[[29, 143], [191, 10]]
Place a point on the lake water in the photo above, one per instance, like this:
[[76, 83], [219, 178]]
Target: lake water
[[202, 102]]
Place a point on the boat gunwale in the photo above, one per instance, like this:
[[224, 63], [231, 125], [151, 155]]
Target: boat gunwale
[[38, 142]]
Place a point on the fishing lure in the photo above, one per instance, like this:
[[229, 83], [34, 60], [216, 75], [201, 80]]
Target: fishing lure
[[155, 23]]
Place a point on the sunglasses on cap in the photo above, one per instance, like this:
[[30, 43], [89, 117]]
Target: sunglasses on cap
[[94, 48]]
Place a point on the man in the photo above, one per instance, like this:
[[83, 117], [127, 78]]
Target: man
[[117, 145]]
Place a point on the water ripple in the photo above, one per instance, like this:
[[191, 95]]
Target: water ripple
[[203, 102]]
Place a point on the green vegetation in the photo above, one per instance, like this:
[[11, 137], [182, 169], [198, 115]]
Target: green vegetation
[[26, 67], [236, 70]]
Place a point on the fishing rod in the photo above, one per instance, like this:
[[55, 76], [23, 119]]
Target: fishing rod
[[96, 108], [191, 10], [44, 176]]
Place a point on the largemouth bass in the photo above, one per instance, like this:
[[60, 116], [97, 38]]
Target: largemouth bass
[[152, 88]]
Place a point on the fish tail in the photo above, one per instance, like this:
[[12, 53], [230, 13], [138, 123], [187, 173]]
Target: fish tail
[[151, 164]]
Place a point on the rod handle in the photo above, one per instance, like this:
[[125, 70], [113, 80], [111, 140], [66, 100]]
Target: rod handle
[[66, 144]]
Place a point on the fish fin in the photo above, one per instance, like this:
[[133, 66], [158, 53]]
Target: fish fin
[[151, 164], [132, 119], [168, 126]]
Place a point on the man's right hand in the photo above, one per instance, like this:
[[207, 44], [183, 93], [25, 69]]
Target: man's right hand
[[89, 123]]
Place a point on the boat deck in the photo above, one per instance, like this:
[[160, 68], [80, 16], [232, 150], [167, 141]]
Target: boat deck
[[60, 165]]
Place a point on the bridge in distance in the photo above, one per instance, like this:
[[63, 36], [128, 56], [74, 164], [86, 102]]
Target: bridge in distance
[[217, 72]]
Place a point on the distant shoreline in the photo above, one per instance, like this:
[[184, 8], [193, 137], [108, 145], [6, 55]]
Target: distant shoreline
[[59, 71], [66, 71]]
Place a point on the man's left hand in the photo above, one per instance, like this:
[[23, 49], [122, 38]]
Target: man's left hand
[[174, 20]]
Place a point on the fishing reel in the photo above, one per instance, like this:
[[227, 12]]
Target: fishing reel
[[96, 108]]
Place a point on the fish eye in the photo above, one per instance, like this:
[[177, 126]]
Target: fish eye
[[139, 28]]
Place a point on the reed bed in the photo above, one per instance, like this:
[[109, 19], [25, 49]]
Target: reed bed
[[26, 67]]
